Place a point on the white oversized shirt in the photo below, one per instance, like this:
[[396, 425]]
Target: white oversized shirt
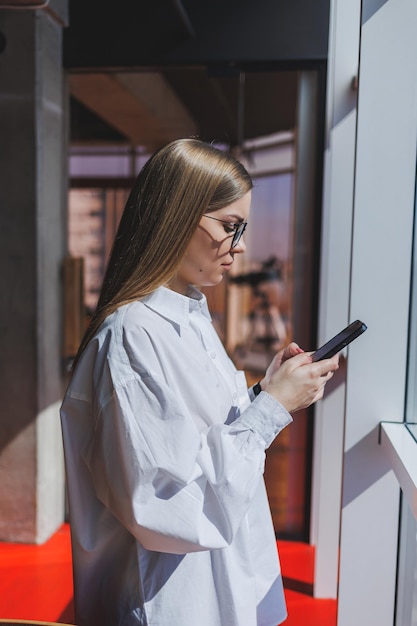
[[164, 455]]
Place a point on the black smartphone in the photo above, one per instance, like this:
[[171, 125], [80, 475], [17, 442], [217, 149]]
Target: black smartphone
[[340, 341]]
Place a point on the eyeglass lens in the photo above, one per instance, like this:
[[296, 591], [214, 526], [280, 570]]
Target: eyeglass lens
[[238, 234], [239, 229]]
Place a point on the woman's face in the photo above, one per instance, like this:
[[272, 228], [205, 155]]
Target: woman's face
[[209, 254]]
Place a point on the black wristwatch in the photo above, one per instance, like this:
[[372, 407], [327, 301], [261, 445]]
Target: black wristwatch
[[257, 388]]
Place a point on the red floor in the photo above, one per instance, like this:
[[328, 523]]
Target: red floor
[[36, 583], [297, 562]]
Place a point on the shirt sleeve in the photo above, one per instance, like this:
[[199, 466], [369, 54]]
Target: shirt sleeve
[[175, 488]]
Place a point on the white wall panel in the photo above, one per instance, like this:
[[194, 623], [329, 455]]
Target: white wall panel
[[335, 287], [334, 314]]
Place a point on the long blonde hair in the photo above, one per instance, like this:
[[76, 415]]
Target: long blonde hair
[[178, 184]]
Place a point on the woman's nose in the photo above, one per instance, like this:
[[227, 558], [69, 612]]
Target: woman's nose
[[240, 246]]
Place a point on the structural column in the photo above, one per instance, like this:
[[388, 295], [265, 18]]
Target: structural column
[[32, 247]]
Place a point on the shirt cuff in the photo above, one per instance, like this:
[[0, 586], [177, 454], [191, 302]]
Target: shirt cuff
[[265, 416]]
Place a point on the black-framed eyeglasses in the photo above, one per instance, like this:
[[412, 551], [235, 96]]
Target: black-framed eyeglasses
[[236, 229]]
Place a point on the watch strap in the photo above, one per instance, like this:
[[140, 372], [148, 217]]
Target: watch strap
[[257, 388]]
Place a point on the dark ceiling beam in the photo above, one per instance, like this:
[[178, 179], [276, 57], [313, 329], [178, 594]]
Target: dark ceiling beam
[[23, 4], [183, 15], [141, 107], [141, 33]]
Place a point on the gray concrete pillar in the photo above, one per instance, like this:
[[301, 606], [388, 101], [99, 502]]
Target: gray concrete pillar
[[33, 140]]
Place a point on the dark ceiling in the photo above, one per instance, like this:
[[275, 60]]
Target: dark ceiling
[[269, 106], [230, 66]]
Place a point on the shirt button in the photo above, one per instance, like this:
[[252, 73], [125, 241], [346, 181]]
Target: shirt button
[[213, 355]]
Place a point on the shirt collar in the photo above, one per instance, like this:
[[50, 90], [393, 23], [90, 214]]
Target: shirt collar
[[176, 307]]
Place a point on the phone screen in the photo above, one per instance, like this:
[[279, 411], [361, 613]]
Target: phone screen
[[340, 341]]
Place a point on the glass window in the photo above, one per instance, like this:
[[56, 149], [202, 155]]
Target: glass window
[[406, 612], [411, 397], [93, 217], [407, 574]]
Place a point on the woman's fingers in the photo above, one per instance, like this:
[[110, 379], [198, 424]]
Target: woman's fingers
[[291, 350], [299, 382]]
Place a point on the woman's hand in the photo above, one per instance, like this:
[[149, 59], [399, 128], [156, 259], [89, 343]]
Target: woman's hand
[[295, 380], [283, 355]]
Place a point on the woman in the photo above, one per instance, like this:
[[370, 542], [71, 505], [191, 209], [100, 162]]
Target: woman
[[164, 444]]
